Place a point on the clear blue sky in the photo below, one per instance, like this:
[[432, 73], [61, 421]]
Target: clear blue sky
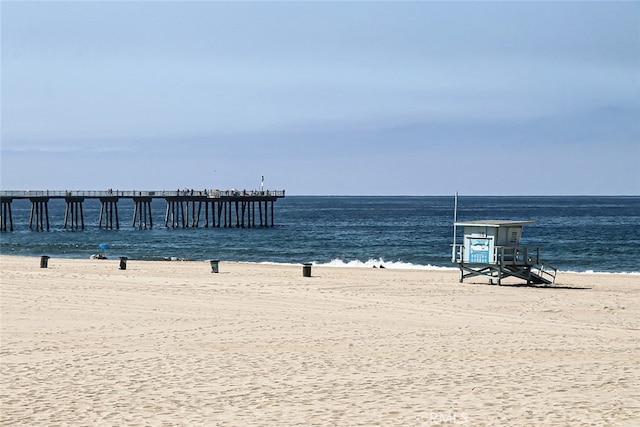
[[417, 98]]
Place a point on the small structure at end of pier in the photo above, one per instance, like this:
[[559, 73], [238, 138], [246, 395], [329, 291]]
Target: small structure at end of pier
[[492, 248]]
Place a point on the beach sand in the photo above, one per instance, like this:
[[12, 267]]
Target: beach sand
[[170, 343]]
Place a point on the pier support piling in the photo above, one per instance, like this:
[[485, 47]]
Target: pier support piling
[[39, 213], [6, 216], [195, 207], [211, 203], [109, 207], [221, 208], [175, 213], [142, 212], [74, 214]]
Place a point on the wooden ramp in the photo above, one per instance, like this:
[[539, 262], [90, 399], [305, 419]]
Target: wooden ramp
[[538, 274]]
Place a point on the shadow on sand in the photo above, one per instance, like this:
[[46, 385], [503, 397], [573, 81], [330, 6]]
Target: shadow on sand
[[533, 285]]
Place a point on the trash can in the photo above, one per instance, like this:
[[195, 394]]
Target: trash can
[[306, 269], [214, 265], [44, 261], [123, 263]]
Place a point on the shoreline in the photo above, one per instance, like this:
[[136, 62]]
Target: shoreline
[[395, 266], [85, 343]]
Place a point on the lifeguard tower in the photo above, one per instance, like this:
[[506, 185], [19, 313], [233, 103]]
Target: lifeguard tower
[[492, 248]]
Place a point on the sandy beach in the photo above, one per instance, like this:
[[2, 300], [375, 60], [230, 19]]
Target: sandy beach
[[170, 343]]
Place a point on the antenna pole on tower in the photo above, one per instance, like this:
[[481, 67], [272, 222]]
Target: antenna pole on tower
[[455, 220]]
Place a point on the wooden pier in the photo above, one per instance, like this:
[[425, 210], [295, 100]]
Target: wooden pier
[[184, 208]]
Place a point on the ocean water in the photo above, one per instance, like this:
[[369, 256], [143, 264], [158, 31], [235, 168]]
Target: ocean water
[[579, 234]]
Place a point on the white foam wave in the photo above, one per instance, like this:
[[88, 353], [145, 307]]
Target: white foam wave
[[377, 263], [623, 273]]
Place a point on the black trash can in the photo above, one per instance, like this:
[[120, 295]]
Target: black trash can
[[306, 269], [214, 265], [44, 261], [123, 263]]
